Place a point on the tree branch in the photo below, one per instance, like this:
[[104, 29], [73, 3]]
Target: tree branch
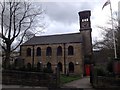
[[23, 36]]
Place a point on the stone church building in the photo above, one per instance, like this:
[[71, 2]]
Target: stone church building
[[71, 52]]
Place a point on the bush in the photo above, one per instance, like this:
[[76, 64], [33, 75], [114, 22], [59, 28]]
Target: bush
[[110, 66], [100, 71], [47, 70]]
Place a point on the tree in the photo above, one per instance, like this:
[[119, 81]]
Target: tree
[[107, 43], [19, 21], [118, 41]]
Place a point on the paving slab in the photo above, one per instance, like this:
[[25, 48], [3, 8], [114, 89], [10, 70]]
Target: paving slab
[[21, 87], [81, 83]]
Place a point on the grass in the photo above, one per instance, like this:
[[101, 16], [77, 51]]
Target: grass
[[65, 79]]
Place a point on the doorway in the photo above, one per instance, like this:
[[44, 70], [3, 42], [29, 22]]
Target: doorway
[[87, 69]]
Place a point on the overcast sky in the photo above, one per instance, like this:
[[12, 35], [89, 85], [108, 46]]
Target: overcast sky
[[62, 17]]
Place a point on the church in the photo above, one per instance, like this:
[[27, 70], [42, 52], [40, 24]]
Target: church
[[71, 52]]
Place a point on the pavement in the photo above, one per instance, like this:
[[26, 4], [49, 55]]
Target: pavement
[[20, 87], [83, 83]]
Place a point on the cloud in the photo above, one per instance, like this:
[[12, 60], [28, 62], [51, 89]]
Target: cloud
[[60, 28], [65, 12], [62, 17]]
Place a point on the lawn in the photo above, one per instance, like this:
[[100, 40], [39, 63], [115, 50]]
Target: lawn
[[65, 79]]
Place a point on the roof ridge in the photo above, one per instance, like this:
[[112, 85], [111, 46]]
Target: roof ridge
[[58, 34], [57, 38]]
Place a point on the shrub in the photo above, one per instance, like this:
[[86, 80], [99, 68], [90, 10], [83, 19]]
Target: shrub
[[47, 70], [100, 71], [110, 66]]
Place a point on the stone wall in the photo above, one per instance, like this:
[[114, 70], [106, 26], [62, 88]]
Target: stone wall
[[11, 77], [106, 82], [76, 58]]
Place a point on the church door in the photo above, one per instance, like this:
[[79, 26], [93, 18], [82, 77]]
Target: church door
[[87, 69]]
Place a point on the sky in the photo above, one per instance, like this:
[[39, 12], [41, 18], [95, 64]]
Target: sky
[[61, 16]]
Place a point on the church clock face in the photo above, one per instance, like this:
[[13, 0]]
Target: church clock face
[[85, 24]]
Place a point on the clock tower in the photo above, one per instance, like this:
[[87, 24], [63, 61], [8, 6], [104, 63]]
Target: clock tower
[[85, 31]]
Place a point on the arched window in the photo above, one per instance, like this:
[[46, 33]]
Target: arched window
[[49, 66], [38, 52], [70, 50], [48, 51], [28, 52], [59, 51], [16, 62], [29, 66], [38, 66], [71, 67], [60, 66]]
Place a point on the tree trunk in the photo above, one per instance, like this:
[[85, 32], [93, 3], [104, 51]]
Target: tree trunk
[[7, 57], [7, 60]]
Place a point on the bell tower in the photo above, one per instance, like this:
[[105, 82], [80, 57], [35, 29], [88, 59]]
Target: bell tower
[[84, 17], [85, 31]]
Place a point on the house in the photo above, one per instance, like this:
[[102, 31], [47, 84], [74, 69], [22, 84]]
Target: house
[[71, 52]]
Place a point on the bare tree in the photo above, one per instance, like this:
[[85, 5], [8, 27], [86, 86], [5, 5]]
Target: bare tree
[[19, 21], [107, 42], [118, 41]]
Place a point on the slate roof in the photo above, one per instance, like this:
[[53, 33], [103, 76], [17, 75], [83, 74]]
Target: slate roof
[[55, 39]]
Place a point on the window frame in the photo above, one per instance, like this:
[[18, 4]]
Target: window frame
[[28, 52], [59, 51], [70, 50], [48, 51], [38, 51]]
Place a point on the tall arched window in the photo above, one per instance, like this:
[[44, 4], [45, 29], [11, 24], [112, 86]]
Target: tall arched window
[[29, 66], [70, 50], [38, 52], [28, 52], [38, 66], [60, 66], [59, 51], [49, 66], [48, 51], [71, 67]]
